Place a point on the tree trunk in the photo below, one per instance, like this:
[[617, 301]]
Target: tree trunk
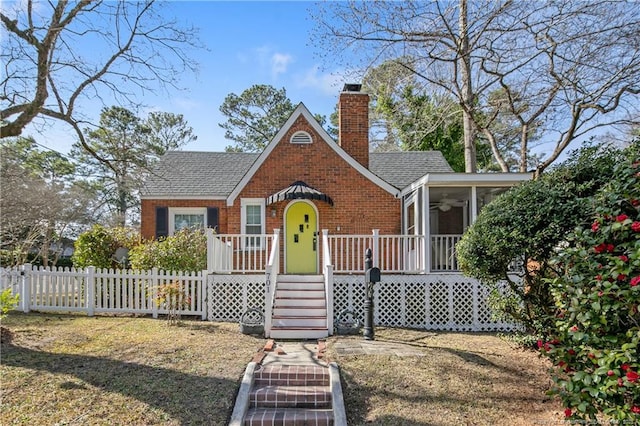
[[467, 91]]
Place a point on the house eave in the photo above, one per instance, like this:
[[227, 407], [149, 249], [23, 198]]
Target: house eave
[[184, 197], [467, 179]]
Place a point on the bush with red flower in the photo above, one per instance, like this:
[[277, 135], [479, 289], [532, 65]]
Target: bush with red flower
[[596, 346]]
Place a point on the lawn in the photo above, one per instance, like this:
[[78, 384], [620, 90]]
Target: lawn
[[76, 370]]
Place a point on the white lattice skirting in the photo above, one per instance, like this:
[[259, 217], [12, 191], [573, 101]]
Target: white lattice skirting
[[432, 302]]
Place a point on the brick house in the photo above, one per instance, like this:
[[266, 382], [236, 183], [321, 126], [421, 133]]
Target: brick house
[[330, 199]]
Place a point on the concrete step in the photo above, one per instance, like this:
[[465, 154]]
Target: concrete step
[[276, 396], [299, 321], [300, 286], [302, 333], [299, 311], [290, 416], [318, 302], [301, 278], [304, 293], [292, 375]]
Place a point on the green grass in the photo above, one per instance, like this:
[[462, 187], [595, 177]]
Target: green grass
[[76, 370]]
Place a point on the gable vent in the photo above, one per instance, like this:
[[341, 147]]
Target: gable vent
[[301, 137]]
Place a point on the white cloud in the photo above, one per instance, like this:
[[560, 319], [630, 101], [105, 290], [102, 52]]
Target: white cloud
[[279, 63], [329, 83]]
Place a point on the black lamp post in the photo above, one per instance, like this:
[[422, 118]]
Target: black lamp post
[[372, 276]]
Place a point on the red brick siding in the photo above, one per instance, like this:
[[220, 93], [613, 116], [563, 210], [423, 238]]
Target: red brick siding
[[353, 124], [359, 204]]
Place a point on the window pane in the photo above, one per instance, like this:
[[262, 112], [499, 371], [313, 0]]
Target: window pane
[[253, 225], [254, 215], [193, 221]]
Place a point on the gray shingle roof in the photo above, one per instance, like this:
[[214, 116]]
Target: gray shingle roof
[[216, 174], [205, 174], [402, 168]]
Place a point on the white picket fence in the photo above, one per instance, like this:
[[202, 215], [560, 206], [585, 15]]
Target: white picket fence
[[94, 290]]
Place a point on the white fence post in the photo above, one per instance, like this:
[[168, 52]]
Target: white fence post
[[25, 291], [90, 290], [155, 283], [203, 291]]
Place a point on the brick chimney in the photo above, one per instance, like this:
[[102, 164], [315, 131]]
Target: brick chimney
[[353, 123]]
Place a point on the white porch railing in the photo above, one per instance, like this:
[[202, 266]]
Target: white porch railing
[[395, 254], [443, 252], [237, 253], [391, 253]]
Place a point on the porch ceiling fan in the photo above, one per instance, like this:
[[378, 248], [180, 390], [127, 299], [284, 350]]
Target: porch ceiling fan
[[445, 203]]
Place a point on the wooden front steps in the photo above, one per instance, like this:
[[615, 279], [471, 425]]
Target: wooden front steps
[[290, 395], [300, 308]]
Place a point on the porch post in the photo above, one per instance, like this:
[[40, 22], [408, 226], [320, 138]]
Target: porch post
[[376, 247], [210, 254], [474, 204], [427, 230]]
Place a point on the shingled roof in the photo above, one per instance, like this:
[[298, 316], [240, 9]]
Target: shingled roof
[[190, 174], [402, 168]]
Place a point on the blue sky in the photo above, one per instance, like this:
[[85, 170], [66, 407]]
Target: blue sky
[[248, 43]]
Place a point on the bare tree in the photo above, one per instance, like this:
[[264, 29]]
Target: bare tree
[[55, 54], [563, 68]]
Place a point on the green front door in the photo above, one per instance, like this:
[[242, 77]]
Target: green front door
[[301, 240]]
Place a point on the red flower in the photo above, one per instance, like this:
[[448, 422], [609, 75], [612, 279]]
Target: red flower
[[624, 367], [540, 344], [600, 248], [635, 226], [622, 277], [623, 258], [635, 281], [635, 409], [610, 373], [610, 248], [595, 226], [621, 217], [620, 382], [632, 376], [599, 278], [635, 202], [571, 352], [600, 293], [567, 412], [574, 328]]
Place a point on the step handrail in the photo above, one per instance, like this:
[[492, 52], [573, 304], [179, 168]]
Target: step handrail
[[271, 281], [328, 279]]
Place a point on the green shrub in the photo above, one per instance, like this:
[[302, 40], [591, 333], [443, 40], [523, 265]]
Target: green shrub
[[186, 250], [595, 348], [524, 226], [97, 247], [8, 301]]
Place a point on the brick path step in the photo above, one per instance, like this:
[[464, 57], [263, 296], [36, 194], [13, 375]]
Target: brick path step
[[279, 417]]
